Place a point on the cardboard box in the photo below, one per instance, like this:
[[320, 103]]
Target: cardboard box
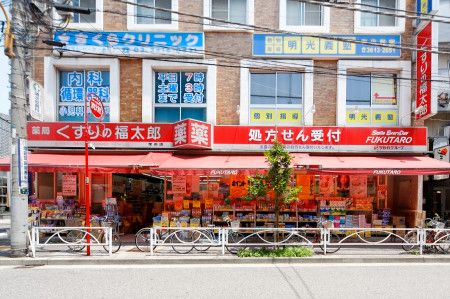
[[399, 220]]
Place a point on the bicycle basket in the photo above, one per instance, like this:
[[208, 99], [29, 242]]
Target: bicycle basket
[[235, 224], [327, 224]]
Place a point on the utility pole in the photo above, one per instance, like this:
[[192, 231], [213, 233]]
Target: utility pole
[[18, 97]]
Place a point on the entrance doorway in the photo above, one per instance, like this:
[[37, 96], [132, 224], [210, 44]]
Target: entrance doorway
[[139, 198], [441, 201]]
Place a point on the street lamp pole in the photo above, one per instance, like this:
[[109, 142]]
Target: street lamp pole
[[87, 193]]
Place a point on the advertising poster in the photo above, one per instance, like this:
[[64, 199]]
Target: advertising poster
[[304, 182], [343, 185], [69, 185], [238, 186], [195, 186], [179, 184], [358, 186], [213, 188], [326, 185]]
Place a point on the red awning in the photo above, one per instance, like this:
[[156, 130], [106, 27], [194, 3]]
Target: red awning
[[212, 165], [97, 163], [378, 165]]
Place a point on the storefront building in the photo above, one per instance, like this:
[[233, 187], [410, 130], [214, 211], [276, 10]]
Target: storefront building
[[192, 103]]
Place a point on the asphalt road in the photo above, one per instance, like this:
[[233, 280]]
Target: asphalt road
[[228, 281]]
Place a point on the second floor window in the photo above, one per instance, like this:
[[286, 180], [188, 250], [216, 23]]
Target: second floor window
[[382, 6], [229, 10], [179, 95], [82, 18], [276, 98], [74, 86], [299, 13], [146, 15], [372, 99]]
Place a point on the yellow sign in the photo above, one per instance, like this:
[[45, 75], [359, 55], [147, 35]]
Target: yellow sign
[[292, 45], [358, 117], [375, 116], [424, 6], [273, 115], [274, 44], [328, 46], [347, 47], [384, 116], [310, 45]]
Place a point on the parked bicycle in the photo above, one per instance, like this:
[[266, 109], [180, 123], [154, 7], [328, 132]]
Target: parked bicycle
[[437, 236], [78, 236]]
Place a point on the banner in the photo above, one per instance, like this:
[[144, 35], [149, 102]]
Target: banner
[[36, 100], [358, 186], [179, 184], [423, 72]]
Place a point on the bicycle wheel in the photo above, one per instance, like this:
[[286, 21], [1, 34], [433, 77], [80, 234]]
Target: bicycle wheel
[[235, 238], [182, 241], [202, 240], [443, 240], [142, 240], [410, 237], [116, 242], [333, 247], [76, 236]]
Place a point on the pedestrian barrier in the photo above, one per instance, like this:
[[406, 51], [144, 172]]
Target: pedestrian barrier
[[72, 237], [184, 240]]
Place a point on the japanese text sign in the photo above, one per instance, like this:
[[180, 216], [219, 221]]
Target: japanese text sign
[[307, 46], [73, 88], [35, 96], [423, 71], [190, 133], [321, 139], [137, 43], [423, 7], [180, 87]]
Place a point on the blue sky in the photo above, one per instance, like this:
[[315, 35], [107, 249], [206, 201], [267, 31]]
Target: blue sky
[[4, 78]]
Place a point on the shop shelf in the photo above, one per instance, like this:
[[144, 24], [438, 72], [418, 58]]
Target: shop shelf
[[265, 211], [307, 211]]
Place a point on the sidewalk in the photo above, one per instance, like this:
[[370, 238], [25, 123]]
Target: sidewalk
[[129, 255]]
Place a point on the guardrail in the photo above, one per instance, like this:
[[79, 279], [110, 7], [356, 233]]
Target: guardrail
[[75, 238], [184, 240]]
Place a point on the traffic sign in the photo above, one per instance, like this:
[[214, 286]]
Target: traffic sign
[[96, 106]]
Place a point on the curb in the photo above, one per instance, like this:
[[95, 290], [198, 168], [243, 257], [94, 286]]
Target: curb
[[219, 260]]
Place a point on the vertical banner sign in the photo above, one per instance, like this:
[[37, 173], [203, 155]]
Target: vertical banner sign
[[423, 66], [23, 166], [423, 7], [35, 97]]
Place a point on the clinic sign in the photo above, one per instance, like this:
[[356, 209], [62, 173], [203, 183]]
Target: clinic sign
[[293, 45], [136, 43]]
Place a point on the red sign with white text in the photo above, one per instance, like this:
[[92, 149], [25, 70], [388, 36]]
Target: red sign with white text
[[191, 133], [423, 71], [321, 139], [184, 134]]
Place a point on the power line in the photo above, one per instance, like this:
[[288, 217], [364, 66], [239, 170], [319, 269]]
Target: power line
[[376, 12], [273, 30]]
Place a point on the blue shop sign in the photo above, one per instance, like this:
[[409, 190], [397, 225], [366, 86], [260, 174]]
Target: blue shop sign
[[140, 43], [290, 45], [180, 87]]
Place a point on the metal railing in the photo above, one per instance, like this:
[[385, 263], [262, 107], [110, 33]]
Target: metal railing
[[184, 240], [59, 237]]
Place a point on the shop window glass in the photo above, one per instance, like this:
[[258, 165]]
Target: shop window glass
[[229, 10], [85, 18], [99, 188], [276, 98], [371, 19], [46, 185], [180, 95], [372, 99], [299, 13], [74, 86], [145, 15]]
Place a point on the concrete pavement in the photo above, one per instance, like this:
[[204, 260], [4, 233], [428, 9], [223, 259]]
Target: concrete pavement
[[228, 281]]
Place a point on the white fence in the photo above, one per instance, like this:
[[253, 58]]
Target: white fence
[[329, 240], [74, 238]]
